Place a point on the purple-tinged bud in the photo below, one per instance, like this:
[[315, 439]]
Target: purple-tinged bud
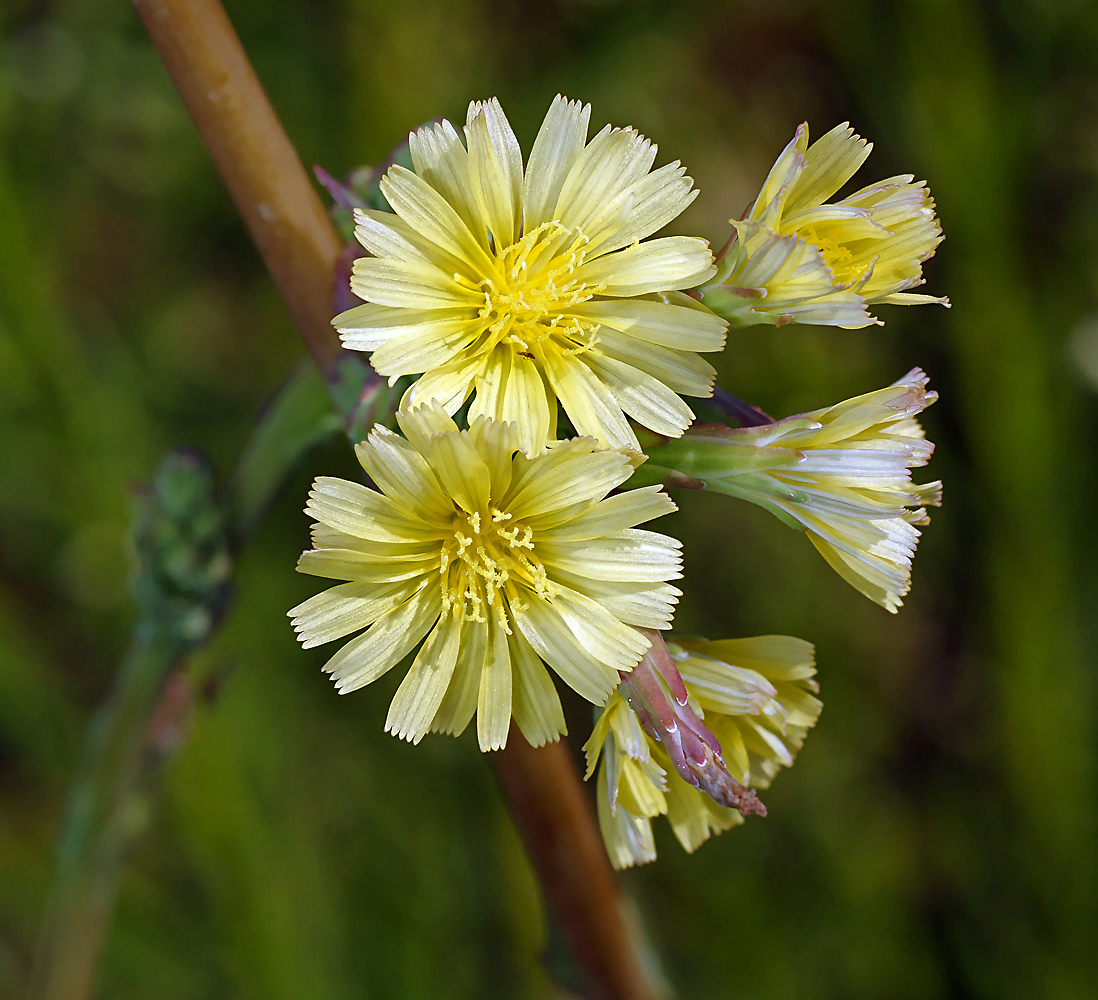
[[657, 695]]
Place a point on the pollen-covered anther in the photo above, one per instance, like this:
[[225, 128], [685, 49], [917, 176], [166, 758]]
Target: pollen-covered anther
[[534, 280], [477, 567]]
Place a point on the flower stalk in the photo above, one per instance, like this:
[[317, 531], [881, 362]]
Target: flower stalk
[[256, 160]]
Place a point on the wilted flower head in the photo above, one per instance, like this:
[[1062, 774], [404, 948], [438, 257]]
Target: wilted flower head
[[797, 258], [842, 473], [757, 696], [500, 560], [528, 286]]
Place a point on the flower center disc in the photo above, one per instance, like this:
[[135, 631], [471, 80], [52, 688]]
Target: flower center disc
[[533, 285], [489, 557], [828, 240]]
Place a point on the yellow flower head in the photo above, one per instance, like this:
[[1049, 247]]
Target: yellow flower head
[[798, 258], [528, 286], [500, 560], [757, 696], [842, 473]]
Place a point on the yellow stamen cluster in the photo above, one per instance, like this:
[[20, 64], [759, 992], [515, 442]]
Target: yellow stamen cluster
[[828, 240], [533, 285], [480, 564]]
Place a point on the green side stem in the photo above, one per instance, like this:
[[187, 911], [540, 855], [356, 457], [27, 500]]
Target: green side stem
[[106, 809]]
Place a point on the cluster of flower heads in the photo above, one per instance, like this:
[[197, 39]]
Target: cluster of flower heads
[[499, 553]]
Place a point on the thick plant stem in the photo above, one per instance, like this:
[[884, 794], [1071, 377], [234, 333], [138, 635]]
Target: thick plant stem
[[255, 158], [555, 820], [273, 193]]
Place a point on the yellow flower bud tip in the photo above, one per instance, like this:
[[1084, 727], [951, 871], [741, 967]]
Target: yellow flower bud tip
[[796, 257], [528, 285], [497, 562]]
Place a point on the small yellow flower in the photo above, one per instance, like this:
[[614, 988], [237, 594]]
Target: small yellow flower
[[797, 258], [500, 560], [525, 287], [842, 473], [757, 696]]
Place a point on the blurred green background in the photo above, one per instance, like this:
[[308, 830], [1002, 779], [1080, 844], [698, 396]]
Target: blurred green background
[[938, 837]]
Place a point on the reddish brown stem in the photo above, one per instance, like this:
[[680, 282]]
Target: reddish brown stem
[[294, 234], [556, 822], [255, 158]]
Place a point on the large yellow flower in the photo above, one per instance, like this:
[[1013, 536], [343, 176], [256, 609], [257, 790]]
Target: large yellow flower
[[798, 258], [525, 287], [757, 696], [500, 560]]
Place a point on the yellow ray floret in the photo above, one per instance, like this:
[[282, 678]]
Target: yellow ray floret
[[499, 563], [525, 287]]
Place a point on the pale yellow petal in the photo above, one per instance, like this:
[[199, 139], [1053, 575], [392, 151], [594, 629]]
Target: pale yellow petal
[[558, 144], [673, 326], [511, 389], [417, 699], [600, 633], [385, 643], [829, 163], [460, 470], [642, 208], [556, 644], [645, 605], [431, 215], [495, 170], [494, 702], [782, 656], [364, 513], [386, 234], [460, 701], [613, 160], [572, 473], [653, 266], [369, 327], [442, 161], [646, 399], [401, 473], [628, 838], [347, 564], [535, 703], [424, 422], [496, 443], [623, 510], [684, 371], [633, 554], [590, 405], [409, 284], [783, 175], [449, 386], [432, 345], [341, 610]]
